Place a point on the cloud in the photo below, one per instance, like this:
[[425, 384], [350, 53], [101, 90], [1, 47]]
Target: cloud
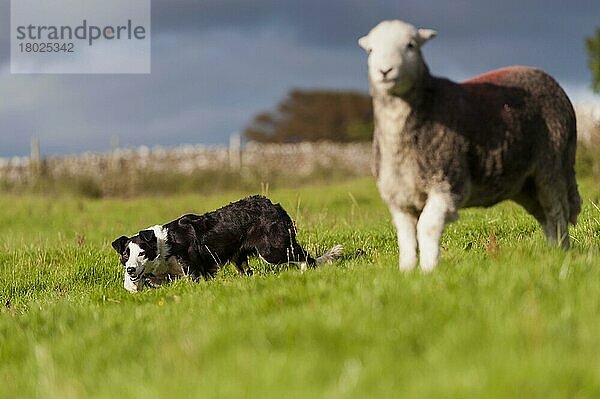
[[218, 62], [336, 21], [4, 31], [481, 33], [200, 94], [37, 105]]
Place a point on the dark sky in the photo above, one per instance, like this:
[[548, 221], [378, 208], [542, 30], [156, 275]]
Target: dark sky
[[215, 63]]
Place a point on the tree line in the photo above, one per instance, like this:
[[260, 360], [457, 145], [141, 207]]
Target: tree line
[[313, 115]]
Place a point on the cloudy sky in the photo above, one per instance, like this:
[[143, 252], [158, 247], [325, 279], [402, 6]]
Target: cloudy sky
[[215, 63]]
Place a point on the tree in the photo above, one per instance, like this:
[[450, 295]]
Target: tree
[[312, 115], [592, 45]]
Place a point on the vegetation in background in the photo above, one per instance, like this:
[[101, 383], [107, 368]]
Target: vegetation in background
[[129, 184], [313, 115], [592, 45], [207, 182]]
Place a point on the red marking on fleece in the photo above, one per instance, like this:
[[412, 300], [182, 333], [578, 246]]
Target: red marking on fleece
[[497, 74]]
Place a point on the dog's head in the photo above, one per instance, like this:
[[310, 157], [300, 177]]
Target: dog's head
[[138, 255]]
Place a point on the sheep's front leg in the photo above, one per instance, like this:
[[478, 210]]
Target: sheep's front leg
[[430, 227], [406, 230]]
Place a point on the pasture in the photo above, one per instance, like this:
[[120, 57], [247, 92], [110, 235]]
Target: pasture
[[503, 315]]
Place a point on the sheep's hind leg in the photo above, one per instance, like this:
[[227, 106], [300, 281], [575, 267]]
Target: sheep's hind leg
[[556, 229], [552, 196], [438, 209], [406, 230], [527, 198]]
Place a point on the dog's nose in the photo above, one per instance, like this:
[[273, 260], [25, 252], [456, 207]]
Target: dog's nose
[[131, 271], [385, 72]]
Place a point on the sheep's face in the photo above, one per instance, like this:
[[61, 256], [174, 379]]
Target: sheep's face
[[394, 55]]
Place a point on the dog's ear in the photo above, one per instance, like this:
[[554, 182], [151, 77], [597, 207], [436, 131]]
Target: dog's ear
[[120, 243], [185, 220], [198, 223], [148, 236]]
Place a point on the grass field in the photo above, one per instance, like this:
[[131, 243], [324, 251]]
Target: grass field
[[502, 316]]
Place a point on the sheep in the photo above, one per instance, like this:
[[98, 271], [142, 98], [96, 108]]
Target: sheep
[[440, 145]]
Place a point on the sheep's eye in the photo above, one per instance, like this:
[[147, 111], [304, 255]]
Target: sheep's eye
[[369, 51], [412, 45]]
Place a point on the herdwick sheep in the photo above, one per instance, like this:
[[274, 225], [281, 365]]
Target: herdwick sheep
[[440, 145]]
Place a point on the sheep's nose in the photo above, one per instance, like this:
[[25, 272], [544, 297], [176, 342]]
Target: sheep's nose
[[385, 72], [131, 271]]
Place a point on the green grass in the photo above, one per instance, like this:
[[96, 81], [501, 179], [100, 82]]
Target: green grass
[[503, 316]]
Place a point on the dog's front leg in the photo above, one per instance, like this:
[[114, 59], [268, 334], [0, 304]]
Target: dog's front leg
[[241, 264]]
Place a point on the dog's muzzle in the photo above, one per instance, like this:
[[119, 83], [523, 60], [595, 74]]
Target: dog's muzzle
[[131, 272]]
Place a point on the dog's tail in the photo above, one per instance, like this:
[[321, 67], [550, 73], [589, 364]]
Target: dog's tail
[[330, 255]]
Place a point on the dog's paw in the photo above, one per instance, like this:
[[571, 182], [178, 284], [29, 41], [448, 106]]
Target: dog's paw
[[303, 267]]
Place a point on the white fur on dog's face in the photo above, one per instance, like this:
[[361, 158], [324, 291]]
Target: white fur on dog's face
[[132, 286], [394, 55], [137, 260], [142, 256]]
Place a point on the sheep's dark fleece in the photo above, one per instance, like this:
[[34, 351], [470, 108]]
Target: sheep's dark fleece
[[505, 130]]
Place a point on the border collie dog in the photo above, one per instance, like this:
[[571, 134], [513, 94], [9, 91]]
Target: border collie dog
[[198, 245]]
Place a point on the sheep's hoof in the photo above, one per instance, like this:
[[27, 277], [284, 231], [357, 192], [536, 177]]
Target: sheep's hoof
[[428, 267], [407, 266]]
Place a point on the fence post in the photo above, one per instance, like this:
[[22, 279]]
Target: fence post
[[114, 164], [235, 151], [34, 157]]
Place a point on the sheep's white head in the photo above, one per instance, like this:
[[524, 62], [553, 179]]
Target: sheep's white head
[[395, 59]]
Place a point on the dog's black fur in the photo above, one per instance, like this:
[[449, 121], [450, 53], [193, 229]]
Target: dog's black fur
[[203, 243]]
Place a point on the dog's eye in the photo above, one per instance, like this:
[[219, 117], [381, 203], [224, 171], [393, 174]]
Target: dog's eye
[[142, 253]]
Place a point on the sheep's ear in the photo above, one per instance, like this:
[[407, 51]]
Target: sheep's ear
[[426, 34], [364, 42]]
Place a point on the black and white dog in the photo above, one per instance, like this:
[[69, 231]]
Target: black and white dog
[[198, 245]]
